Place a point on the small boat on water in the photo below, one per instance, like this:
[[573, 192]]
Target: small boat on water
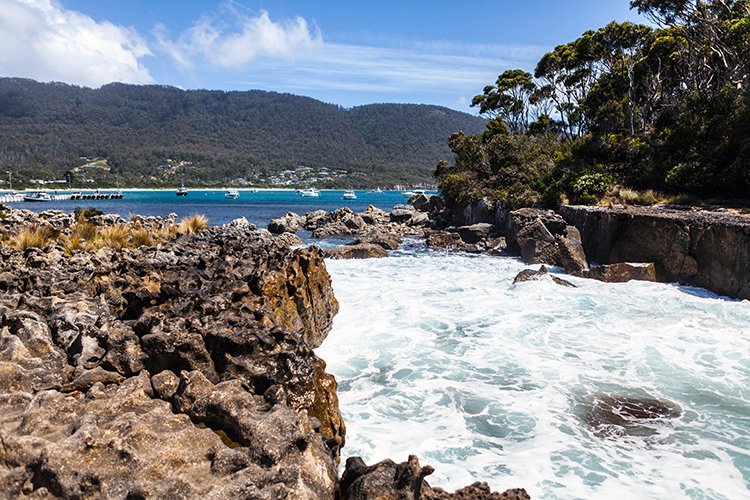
[[312, 192], [182, 191], [409, 194], [375, 191], [253, 190], [232, 194], [349, 195], [37, 196]]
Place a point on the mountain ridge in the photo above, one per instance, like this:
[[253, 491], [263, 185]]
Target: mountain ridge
[[47, 127]]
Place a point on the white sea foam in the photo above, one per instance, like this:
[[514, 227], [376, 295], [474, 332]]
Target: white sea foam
[[442, 356]]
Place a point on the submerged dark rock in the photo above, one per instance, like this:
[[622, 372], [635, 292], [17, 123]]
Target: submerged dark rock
[[621, 414], [542, 273]]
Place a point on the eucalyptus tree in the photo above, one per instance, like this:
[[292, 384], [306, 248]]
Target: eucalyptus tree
[[716, 37], [509, 99]]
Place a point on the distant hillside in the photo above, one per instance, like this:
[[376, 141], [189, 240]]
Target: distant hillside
[[45, 130]]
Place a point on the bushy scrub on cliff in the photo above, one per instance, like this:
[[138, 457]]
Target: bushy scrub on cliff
[[663, 107]]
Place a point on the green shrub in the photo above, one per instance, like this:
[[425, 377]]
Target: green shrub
[[588, 188], [455, 187]]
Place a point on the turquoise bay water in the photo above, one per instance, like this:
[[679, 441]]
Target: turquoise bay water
[[442, 356], [258, 207]]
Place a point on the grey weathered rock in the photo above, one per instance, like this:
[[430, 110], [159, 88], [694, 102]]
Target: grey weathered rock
[[340, 222], [474, 233], [429, 203], [358, 251], [375, 216], [402, 214], [444, 239], [537, 244], [389, 241], [572, 256], [289, 223]]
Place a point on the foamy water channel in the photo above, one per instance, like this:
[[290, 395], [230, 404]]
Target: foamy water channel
[[441, 355]]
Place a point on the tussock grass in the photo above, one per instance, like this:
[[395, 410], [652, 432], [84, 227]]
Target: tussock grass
[[167, 232], [83, 230], [115, 237], [193, 223], [32, 237], [140, 237], [643, 198], [85, 236], [626, 196]]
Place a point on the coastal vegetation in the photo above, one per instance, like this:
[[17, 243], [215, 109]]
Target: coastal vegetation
[[89, 234], [627, 113], [156, 136]]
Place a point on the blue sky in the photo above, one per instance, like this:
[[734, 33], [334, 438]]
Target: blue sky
[[343, 52]]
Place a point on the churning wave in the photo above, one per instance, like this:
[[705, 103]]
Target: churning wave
[[441, 355]]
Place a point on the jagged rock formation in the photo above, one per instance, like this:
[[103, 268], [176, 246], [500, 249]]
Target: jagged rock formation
[[184, 370]]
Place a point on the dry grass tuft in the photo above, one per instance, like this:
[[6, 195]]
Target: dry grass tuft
[[193, 223], [115, 237], [643, 198], [32, 237], [83, 230], [140, 237]]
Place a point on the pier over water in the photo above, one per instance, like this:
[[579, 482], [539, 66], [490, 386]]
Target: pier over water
[[19, 197]]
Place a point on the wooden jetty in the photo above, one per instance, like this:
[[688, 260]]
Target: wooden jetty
[[96, 195]]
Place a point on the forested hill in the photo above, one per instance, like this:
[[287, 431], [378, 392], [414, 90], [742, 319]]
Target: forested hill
[[46, 129]]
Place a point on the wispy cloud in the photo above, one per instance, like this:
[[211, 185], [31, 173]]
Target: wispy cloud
[[235, 41], [43, 40], [454, 72]]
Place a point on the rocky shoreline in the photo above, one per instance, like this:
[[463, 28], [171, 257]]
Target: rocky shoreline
[[185, 366], [666, 244], [179, 368]]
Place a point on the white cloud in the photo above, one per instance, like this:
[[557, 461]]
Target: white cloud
[[44, 41], [237, 45]]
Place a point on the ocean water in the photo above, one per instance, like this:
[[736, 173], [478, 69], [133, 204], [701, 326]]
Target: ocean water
[[441, 355], [257, 207]]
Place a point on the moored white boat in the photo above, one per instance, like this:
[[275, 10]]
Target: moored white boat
[[181, 191], [311, 192], [349, 195], [232, 194], [37, 196]]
